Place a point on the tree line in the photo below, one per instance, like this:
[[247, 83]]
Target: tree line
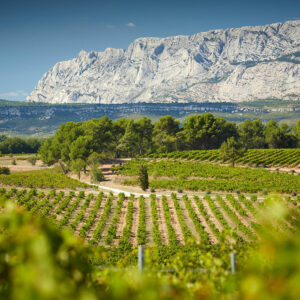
[[17, 145], [85, 143]]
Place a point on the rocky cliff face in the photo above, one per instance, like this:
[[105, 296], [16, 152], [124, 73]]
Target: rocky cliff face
[[243, 64]]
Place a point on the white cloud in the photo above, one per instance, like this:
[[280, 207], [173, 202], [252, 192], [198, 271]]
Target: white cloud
[[130, 24], [17, 95], [109, 26]]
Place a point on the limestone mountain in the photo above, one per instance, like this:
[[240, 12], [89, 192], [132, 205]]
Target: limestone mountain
[[236, 64]]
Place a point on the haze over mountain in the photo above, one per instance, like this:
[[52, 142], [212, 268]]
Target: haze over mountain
[[237, 64]]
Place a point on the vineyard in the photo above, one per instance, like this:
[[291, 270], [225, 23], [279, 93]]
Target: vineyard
[[84, 242], [253, 157], [48, 178], [108, 220], [196, 176]]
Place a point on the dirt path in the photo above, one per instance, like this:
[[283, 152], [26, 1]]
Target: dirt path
[[58, 204], [212, 237], [122, 222], [149, 223], [61, 215], [135, 221], [243, 219], [161, 222], [98, 216], [85, 214], [211, 215], [108, 221], [229, 221], [175, 222], [188, 221]]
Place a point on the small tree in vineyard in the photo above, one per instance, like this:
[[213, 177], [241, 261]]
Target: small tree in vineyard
[[232, 149], [32, 160], [143, 177]]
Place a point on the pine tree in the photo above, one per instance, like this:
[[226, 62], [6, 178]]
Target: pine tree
[[143, 177], [232, 149]]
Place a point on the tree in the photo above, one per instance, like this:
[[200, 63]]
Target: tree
[[118, 131], [94, 161], [77, 166], [99, 132], [165, 134], [296, 132], [49, 152], [97, 175], [167, 124], [207, 132], [232, 149], [144, 131], [279, 136], [143, 177], [32, 160], [252, 134], [128, 143], [80, 149]]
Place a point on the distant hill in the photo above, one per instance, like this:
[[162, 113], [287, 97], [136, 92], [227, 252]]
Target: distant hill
[[41, 119]]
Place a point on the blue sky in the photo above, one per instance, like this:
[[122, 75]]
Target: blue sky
[[34, 35]]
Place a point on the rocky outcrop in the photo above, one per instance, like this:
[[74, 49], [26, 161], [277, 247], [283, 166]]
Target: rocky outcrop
[[232, 65]]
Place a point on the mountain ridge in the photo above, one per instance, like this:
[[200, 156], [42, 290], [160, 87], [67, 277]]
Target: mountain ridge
[[222, 65]]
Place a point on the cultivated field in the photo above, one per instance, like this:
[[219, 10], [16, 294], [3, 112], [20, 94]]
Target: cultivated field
[[110, 220], [198, 176], [289, 158]]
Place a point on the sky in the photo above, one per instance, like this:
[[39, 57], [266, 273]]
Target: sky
[[34, 35]]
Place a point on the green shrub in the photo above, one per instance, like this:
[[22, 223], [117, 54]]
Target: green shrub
[[32, 160], [97, 176], [4, 170]]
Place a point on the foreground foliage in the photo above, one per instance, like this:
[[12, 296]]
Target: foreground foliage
[[46, 263]]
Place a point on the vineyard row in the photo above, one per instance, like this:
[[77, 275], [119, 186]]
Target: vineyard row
[[109, 220]]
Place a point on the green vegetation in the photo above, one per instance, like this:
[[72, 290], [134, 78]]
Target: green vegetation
[[48, 178], [193, 236], [75, 143], [68, 269], [204, 176], [32, 160], [253, 157], [4, 171], [231, 149], [17, 145], [143, 177]]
